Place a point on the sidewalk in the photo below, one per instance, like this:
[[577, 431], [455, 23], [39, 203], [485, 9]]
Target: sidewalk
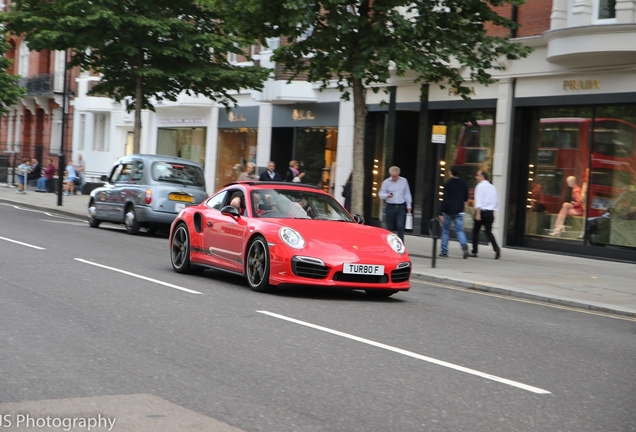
[[573, 281]]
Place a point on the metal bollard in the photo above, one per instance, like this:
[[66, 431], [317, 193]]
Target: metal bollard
[[435, 228]]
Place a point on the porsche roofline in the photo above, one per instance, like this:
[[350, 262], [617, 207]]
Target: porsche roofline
[[272, 183]]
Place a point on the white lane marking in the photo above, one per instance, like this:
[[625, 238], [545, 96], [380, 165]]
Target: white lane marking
[[138, 276], [411, 354], [23, 244]]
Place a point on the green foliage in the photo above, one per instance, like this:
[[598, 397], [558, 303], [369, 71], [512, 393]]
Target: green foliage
[[167, 46], [372, 39], [10, 92]]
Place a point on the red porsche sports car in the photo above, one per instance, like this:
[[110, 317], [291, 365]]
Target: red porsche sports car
[[287, 234]]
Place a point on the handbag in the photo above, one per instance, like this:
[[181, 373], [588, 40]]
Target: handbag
[[408, 224]]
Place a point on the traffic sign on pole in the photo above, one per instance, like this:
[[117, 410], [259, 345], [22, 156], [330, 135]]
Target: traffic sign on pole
[[439, 134]]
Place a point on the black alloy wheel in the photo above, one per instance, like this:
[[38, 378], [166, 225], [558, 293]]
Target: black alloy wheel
[[257, 265], [180, 250]]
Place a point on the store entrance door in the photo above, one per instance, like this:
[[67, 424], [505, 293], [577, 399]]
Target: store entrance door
[[313, 147]]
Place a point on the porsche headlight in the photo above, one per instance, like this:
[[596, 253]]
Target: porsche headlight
[[395, 243], [291, 238]]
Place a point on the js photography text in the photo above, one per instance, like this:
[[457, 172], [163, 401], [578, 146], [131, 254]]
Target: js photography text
[[28, 421]]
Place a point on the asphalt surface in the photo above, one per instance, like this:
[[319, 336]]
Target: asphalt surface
[[96, 321], [586, 283]]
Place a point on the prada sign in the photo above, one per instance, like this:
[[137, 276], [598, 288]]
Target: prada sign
[[587, 84]]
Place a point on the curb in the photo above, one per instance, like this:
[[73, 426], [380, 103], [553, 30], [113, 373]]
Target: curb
[[561, 301], [57, 211]]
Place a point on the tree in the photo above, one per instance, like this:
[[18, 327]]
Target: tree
[[10, 92], [362, 44], [145, 50]]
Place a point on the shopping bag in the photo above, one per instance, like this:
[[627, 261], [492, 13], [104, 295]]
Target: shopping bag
[[408, 225]]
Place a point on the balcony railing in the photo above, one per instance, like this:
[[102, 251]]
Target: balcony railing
[[43, 84]]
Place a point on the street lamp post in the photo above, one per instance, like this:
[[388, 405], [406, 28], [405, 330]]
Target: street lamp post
[[61, 161]]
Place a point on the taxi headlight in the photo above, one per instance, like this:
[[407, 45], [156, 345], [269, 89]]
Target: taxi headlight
[[291, 238], [396, 244]]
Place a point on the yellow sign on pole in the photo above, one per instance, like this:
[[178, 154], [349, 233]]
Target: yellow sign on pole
[[439, 134], [439, 130]]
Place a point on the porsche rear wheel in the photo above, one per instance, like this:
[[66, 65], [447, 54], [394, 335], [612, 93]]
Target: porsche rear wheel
[[379, 293], [257, 265], [180, 250]]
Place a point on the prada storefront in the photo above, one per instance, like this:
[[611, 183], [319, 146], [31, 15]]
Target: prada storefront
[[573, 166]]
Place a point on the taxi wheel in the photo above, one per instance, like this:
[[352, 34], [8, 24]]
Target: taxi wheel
[[379, 293], [257, 265], [180, 251], [92, 220], [132, 226]]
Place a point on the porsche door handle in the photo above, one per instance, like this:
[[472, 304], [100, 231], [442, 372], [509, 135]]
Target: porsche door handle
[[209, 224]]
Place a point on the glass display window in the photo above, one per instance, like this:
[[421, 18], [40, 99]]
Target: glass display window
[[581, 173], [236, 147]]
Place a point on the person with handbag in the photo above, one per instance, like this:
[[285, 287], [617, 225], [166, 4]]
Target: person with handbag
[[453, 203], [293, 173]]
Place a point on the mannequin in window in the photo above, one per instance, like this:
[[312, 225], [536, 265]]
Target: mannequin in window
[[573, 206]]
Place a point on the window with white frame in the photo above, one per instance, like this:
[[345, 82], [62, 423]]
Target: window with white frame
[[56, 130], [100, 132], [604, 11], [23, 65], [82, 131]]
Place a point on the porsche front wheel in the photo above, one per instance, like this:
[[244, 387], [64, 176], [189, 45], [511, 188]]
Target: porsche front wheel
[[257, 265]]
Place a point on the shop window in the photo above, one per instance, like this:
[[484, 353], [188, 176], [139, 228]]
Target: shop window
[[470, 144], [236, 147], [579, 187], [187, 143]]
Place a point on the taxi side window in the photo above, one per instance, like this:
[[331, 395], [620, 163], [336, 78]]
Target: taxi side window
[[138, 171], [216, 202]]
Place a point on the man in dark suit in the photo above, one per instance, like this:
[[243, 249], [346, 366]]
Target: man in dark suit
[[270, 174]]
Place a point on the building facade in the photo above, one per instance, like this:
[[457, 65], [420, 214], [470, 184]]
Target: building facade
[[34, 126], [567, 110]]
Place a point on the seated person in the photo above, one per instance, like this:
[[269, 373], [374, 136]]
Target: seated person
[[289, 208], [237, 202], [572, 207]]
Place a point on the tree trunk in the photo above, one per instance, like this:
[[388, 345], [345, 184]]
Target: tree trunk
[[360, 115], [139, 97]]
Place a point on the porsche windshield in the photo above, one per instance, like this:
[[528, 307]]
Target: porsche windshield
[[301, 204]]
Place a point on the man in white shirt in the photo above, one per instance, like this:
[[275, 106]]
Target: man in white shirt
[[397, 195], [486, 203]]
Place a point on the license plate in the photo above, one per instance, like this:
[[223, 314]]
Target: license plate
[[179, 197], [178, 207], [363, 269]]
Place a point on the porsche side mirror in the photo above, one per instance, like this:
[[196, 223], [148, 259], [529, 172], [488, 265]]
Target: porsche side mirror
[[104, 178], [359, 219], [229, 210]]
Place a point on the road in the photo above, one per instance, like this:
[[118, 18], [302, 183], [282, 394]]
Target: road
[[99, 318]]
